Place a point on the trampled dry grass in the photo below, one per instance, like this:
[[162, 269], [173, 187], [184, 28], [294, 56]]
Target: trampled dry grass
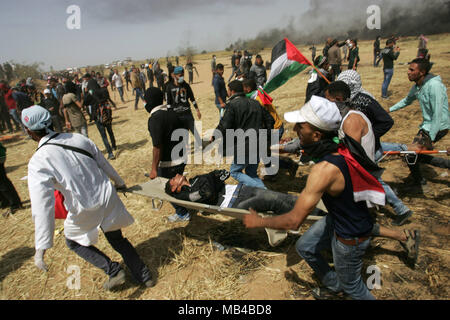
[[184, 255]]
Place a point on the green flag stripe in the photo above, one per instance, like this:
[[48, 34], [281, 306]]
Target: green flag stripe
[[280, 79]]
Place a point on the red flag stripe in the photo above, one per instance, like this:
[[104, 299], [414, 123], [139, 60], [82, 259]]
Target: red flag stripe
[[294, 54]]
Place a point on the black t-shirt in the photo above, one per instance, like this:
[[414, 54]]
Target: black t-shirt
[[177, 97], [161, 125], [51, 103]]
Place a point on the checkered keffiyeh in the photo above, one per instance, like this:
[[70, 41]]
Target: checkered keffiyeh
[[353, 80]]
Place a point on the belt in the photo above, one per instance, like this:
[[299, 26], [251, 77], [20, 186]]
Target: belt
[[352, 242]]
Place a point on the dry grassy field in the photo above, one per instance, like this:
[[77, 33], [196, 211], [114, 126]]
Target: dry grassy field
[[183, 255]]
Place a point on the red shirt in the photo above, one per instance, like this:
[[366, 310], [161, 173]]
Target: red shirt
[[10, 102]]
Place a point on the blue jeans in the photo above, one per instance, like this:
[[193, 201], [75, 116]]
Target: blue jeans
[[169, 173], [388, 73], [347, 259], [391, 197], [250, 178], [138, 94], [120, 89]]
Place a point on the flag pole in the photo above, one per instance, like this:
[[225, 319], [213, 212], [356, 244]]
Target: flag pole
[[317, 70]]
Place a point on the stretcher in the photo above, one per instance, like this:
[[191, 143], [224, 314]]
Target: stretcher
[[154, 189]]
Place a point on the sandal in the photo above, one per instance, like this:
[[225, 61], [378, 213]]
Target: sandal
[[412, 245]]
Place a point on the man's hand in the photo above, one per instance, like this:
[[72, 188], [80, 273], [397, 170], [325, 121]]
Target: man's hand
[[39, 260], [252, 220], [199, 115], [68, 125], [153, 174], [223, 105]]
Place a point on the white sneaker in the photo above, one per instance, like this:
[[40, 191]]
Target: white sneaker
[[176, 218]]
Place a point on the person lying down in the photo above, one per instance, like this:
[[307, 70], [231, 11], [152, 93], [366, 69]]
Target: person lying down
[[211, 189]]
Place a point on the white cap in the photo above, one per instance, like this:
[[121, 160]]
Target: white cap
[[46, 91], [319, 112]]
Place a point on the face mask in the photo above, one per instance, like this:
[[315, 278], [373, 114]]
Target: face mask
[[180, 79], [350, 45]]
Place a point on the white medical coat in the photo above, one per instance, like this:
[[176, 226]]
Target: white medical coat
[[90, 198]]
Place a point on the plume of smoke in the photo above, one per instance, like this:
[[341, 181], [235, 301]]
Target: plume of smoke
[[343, 19]]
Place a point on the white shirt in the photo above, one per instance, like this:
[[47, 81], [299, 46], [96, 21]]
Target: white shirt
[[368, 141], [90, 198], [118, 80], [229, 191]]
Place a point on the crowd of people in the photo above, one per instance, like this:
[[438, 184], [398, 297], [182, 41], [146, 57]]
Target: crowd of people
[[340, 127]]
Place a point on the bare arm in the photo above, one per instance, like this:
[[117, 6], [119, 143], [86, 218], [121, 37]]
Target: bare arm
[[324, 177], [155, 162], [355, 127]]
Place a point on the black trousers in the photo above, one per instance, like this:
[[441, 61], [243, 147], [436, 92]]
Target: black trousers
[[5, 119], [8, 194], [424, 138], [129, 254]]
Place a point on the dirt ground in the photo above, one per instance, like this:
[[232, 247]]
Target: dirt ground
[[184, 255]]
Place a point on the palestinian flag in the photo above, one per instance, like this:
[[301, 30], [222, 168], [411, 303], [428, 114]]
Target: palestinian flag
[[287, 62]]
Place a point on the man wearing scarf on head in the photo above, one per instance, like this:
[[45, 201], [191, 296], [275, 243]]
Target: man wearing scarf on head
[[363, 101], [346, 189], [73, 165]]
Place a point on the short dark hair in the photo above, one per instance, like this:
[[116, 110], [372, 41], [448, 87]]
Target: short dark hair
[[339, 88], [219, 66], [154, 97], [251, 83], [236, 86], [390, 41], [424, 64], [168, 188]]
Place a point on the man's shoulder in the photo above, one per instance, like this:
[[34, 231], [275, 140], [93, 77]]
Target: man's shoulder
[[324, 171]]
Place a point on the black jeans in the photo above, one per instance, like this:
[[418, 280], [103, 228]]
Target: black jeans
[[188, 122], [8, 194], [169, 173], [336, 70], [103, 129], [264, 200], [5, 119], [424, 139], [97, 258]]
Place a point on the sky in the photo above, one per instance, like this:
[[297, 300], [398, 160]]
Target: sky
[[111, 30]]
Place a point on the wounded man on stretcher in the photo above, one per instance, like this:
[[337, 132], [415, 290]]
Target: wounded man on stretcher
[[211, 189]]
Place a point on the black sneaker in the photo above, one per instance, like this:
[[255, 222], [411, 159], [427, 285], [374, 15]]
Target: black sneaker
[[401, 219], [326, 294]]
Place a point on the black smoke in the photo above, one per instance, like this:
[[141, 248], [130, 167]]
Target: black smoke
[[343, 19]]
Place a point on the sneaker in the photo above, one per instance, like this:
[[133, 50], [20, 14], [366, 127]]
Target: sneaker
[[150, 283], [176, 218], [326, 294], [401, 219], [115, 281], [111, 157]]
